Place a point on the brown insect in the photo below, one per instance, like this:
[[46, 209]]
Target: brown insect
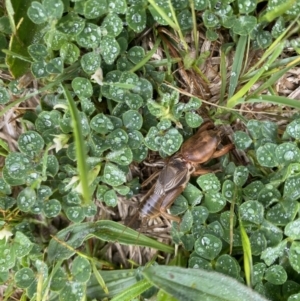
[[176, 174]]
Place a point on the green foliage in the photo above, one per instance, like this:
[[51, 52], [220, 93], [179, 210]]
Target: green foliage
[[105, 102]]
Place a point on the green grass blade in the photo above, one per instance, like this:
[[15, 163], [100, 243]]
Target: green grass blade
[[223, 70], [197, 284], [133, 291], [80, 148], [236, 98], [279, 100], [248, 265], [276, 12], [237, 64], [115, 232]]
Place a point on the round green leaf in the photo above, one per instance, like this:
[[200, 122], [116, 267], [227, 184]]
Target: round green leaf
[[54, 8], [4, 96], [268, 195], [24, 277], [52, 165], [264, 39], [229, 190], [95, 8], [123, 64], [291, 188], [72, 291], [118, 7], [7, 256], [209, 182], [283, 212], [276, 274], [293, 129], [179, 206], [192, 194], [292, 229], [185, 19], [132, 120], [47, 120], [69, 53], [117, 139], [101, 124], [75, 214], [81, 269], [226, 219], [294, 256], [90, 210], [135, 139], [246, 7], [39, 69], [240, 175], [258, 243], [43, 192], [164, 124], [171, 141], [82, 87], [134, 101], [214, 201], [52, 208], [37, 13], [112, 24], [279, 27], [254, 127], [287, 153], [242, 140], [71, 24], [90, 62], [200, 4], [122, 156], [266, 155], [186, 222], [244, 25], [12, 181], [144, 88], [89, 37], [196, 262], [122, 189], [208, 246], [22, 245], [54, 39], [228, 265], [211, 35], [55, 66], [136, 18], [294, 297], [252, 190], [258, 272], [110, 49], [17, 165], [110, 198], [26, 198], [113, 175], [136, 54], [252, 211], [210, 19], [37, 51], [58, 280], [31, 143], [4, 187], [140, 153], [193, 120], [73, 198]]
